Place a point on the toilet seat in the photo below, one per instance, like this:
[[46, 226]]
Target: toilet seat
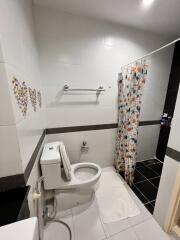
[[65, 161], [76, 181], [79, 174]]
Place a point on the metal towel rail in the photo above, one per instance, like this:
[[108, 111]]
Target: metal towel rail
[[100, 89]]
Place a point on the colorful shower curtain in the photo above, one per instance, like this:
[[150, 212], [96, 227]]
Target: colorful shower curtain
[[130, 88]]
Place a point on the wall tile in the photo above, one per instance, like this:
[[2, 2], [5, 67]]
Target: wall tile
[[174, 139], [6, 116], [9, 152], [156, 85], [101, 145], [147, 141], [29, 132], [168, 177]]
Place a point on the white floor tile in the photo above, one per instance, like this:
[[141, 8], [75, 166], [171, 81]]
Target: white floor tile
[[115, 227], [87, 224], [63, 214], [144, 213], [129, 234], [150, 230], [58, 231]]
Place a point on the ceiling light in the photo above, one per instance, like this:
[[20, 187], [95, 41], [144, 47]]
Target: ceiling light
[[147, 2]]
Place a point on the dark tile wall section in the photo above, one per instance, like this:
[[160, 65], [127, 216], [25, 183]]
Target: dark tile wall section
[[14, 205], [170, 101], [11, 182]]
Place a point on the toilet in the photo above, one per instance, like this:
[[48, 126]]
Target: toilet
[[77, 181]]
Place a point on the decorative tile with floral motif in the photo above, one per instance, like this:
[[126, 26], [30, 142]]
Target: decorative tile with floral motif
[[39, 97], [32, 95], [21, 95]]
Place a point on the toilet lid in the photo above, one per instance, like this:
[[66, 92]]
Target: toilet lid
[[65, 161]]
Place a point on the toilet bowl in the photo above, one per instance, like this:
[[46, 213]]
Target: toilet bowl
[[70, 176]]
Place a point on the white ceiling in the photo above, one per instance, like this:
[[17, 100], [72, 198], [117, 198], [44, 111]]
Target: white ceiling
[[162, 17]]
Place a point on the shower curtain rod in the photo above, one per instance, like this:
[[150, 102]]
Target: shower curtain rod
[[157, 50]]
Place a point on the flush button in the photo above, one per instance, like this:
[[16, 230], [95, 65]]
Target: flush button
[[51, 148]]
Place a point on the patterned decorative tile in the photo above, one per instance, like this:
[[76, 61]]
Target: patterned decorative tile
[[39, 97], [21, 95], [32, 95]]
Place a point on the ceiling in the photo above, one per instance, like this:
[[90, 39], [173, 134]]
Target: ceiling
[[162, 17]]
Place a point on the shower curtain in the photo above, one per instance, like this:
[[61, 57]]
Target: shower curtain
[[130, 88]]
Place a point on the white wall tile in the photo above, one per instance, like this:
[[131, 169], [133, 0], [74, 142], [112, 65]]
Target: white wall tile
[[168, 177], [9, 152], [156, 85], [19, 53], [29, 132], [147, 141], [6, 116], [174, 139], [83, 53], [101, 145]]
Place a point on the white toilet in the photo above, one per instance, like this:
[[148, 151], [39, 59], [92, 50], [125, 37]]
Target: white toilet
[[77, 180]]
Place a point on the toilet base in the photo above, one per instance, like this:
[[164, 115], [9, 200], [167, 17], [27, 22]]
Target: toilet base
[[72, 198]]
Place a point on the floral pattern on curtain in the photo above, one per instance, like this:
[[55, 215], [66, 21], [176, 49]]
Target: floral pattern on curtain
[[130, 89]]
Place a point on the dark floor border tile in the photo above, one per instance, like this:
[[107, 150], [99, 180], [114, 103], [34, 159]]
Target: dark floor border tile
[[172, 153]]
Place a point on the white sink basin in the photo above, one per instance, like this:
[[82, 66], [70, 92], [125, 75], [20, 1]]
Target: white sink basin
[[22, 230]]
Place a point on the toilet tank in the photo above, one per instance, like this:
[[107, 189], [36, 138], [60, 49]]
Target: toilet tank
[[51, 165]]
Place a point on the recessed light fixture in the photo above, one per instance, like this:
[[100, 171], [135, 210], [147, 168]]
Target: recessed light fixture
[[147, 2]]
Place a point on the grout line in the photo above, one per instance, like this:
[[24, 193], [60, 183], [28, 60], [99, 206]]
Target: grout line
[[148, 179], [158, 160], [150, 202], [102, 224], [141, 194]]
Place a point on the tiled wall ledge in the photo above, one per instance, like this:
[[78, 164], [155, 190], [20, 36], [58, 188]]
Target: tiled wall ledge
[[20, 180]]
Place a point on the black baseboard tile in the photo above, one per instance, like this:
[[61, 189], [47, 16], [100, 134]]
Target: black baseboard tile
[[81, 128], [172, 153], [93, 127], [151, 122], [12, 182]]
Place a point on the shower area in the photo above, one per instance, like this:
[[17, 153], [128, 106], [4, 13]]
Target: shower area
[[156, 106]]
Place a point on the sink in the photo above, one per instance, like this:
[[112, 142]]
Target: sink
[[21, 230]]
